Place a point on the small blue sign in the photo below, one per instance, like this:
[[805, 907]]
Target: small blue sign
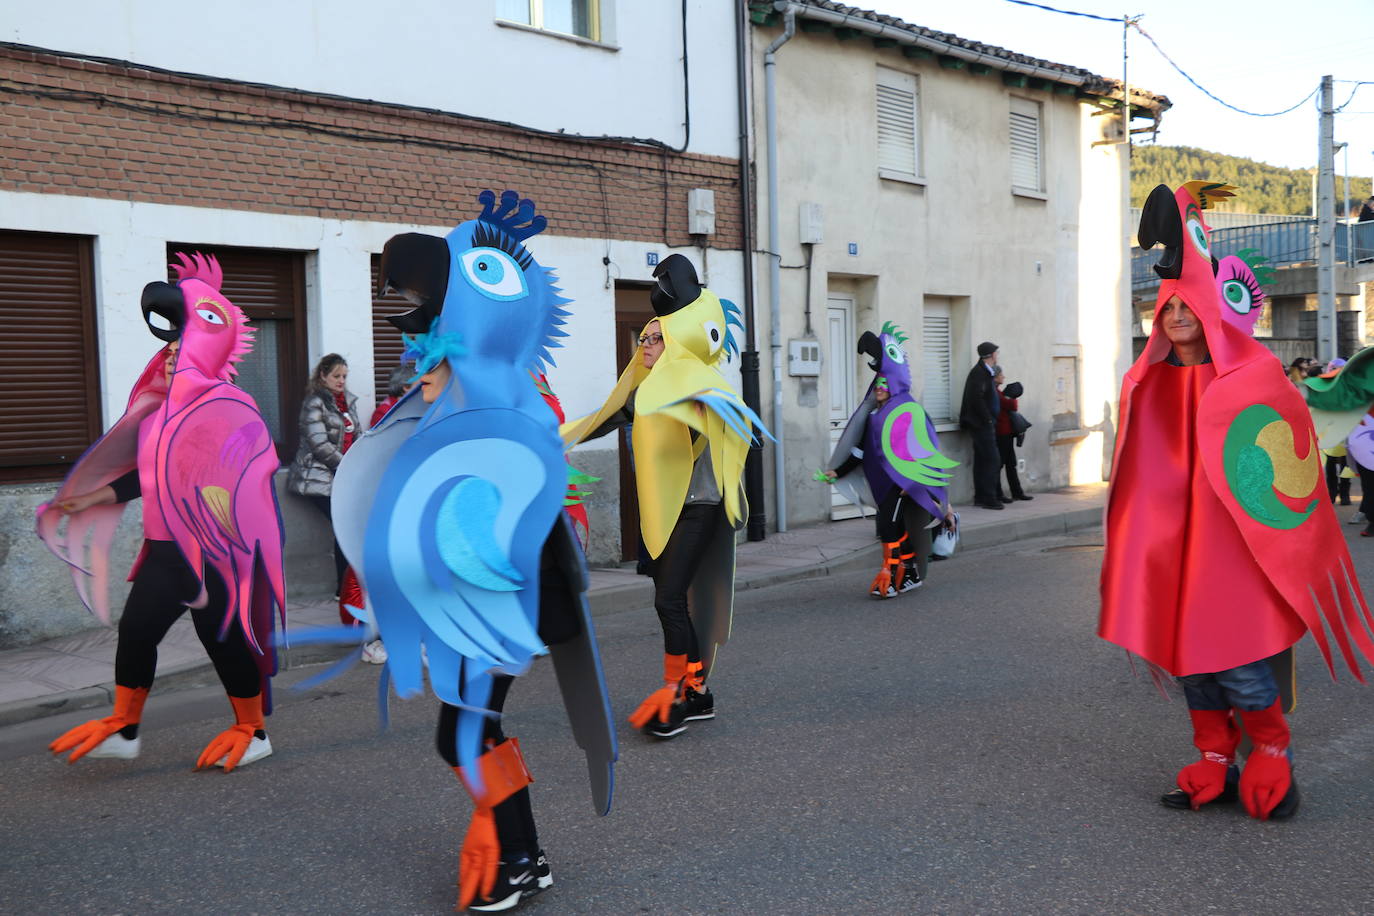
[[854, 248], [651, 258]]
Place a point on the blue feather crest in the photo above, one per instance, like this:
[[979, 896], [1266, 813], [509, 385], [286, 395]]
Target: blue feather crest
[[554, 320], [732, 320], [429, 350], [515, 217]]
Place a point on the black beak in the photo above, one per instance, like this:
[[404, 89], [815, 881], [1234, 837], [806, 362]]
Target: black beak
[[165, 301], [1159, 223], [870, 345], [416, 266], [677, 287]]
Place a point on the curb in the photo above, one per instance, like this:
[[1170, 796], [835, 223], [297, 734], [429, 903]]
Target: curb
[[603, 603]]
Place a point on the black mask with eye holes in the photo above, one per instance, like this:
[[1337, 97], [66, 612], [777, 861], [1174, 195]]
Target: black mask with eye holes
[[164, 310]]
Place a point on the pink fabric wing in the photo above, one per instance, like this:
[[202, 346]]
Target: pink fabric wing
[[215, 461], [110, 457]]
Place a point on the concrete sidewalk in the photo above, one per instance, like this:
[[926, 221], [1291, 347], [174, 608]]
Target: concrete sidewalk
[[76, 672]]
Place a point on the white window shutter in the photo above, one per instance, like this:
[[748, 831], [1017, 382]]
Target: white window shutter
[[897, 101], [1025, 145], [938, 362]]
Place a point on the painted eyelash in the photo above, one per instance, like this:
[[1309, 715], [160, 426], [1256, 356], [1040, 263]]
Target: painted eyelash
[[486, 236]]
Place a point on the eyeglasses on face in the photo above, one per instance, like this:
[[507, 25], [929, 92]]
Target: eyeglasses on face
[[654, 339]]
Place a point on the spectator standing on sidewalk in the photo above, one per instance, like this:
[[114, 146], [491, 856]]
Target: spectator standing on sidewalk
[[978, 415], [1008, 438]]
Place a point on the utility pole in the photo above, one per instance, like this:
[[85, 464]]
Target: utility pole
[[1326, 227]]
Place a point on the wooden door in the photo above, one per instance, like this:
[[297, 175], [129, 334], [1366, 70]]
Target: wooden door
[[632, 313]]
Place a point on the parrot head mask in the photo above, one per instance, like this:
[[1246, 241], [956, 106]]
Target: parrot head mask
[[888, 358], [212, 331], [695, 321]]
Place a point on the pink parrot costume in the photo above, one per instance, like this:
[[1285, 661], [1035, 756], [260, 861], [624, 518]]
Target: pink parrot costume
[[1221, 548], [197, 450]]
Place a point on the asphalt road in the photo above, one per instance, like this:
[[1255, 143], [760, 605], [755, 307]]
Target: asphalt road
[[968, 748]]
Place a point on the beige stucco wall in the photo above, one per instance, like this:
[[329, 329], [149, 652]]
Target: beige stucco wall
[[1044, 278]]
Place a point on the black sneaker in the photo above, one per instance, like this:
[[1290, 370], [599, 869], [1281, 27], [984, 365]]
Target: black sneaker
[[676, 724], [696, 706], [514, 881], [542, 873], [911, 580], [1180, 800]]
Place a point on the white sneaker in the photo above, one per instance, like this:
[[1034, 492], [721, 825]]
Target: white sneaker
[[374, 653], [1357, 519], [258, 748], [116, 746]]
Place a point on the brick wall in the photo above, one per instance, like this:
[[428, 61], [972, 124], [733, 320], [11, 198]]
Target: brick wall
[[104, 129]]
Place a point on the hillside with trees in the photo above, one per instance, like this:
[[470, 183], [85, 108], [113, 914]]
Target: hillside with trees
[[1261, 188]]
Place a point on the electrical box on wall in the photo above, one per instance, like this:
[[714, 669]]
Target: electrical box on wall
[[701, 211], [811, 225], [804, 357]]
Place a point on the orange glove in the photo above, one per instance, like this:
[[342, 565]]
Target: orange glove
[[503, 773], [128, 710], [233, 742], [657, 704]]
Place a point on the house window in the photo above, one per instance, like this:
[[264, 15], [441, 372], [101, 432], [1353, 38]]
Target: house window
[[937, 352], [269, 286], [898, 142], [570, 17], [1027, 171], [50, 386], [386, 339]]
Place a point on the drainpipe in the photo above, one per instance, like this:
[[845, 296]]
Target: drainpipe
[[774, 259], [756, 528]]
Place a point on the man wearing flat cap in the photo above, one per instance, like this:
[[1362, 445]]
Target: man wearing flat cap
[[979, 416]]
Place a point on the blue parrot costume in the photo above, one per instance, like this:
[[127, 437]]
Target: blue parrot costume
[[452, 513], [905, 477]]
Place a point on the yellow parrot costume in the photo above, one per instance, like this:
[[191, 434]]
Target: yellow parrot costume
[[682, 407]]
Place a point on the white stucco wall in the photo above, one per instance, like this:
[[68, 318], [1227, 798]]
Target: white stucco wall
[[451, 56], [1041, 276]]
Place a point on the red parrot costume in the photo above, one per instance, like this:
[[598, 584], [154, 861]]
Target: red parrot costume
[[1221, 547]]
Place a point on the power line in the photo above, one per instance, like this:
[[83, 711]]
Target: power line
[[1041, 6], [1184, 73]]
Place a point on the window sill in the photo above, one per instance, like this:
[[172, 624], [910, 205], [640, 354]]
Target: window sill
[[575, 39], [1062, 436], [946, 426], [1028, 194], [904, 178]]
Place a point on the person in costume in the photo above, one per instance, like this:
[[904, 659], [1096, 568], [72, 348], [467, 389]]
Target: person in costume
[[1221, 549], [690, 436], [195, 447], [451, 511], [905, 477], [1341, 402]]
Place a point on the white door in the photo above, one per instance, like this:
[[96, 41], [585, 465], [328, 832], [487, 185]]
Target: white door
[[840, 360]]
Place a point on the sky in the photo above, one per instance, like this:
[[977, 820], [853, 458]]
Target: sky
[[1258, 55]]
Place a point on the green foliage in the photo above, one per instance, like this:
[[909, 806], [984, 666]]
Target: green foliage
[[1260, 187]]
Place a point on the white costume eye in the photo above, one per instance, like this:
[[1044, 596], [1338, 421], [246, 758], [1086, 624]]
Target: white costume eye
[[210, 315], [715, 337], [1192, 227], [895, 353], [493, 273]]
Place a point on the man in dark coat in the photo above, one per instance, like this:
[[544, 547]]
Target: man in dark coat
[[979, 416]]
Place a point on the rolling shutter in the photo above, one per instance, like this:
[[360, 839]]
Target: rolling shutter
[[1025, 145], [938, 362], [49, 387], [386, 340], [896, 108], [269, 286]]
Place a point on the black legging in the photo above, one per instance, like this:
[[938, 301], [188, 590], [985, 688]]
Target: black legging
[[676, 567], [1006, 449], [159, 596], [514, 817], [340, 561]]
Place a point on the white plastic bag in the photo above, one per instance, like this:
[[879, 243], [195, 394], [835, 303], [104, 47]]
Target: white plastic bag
[[946, 539]]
